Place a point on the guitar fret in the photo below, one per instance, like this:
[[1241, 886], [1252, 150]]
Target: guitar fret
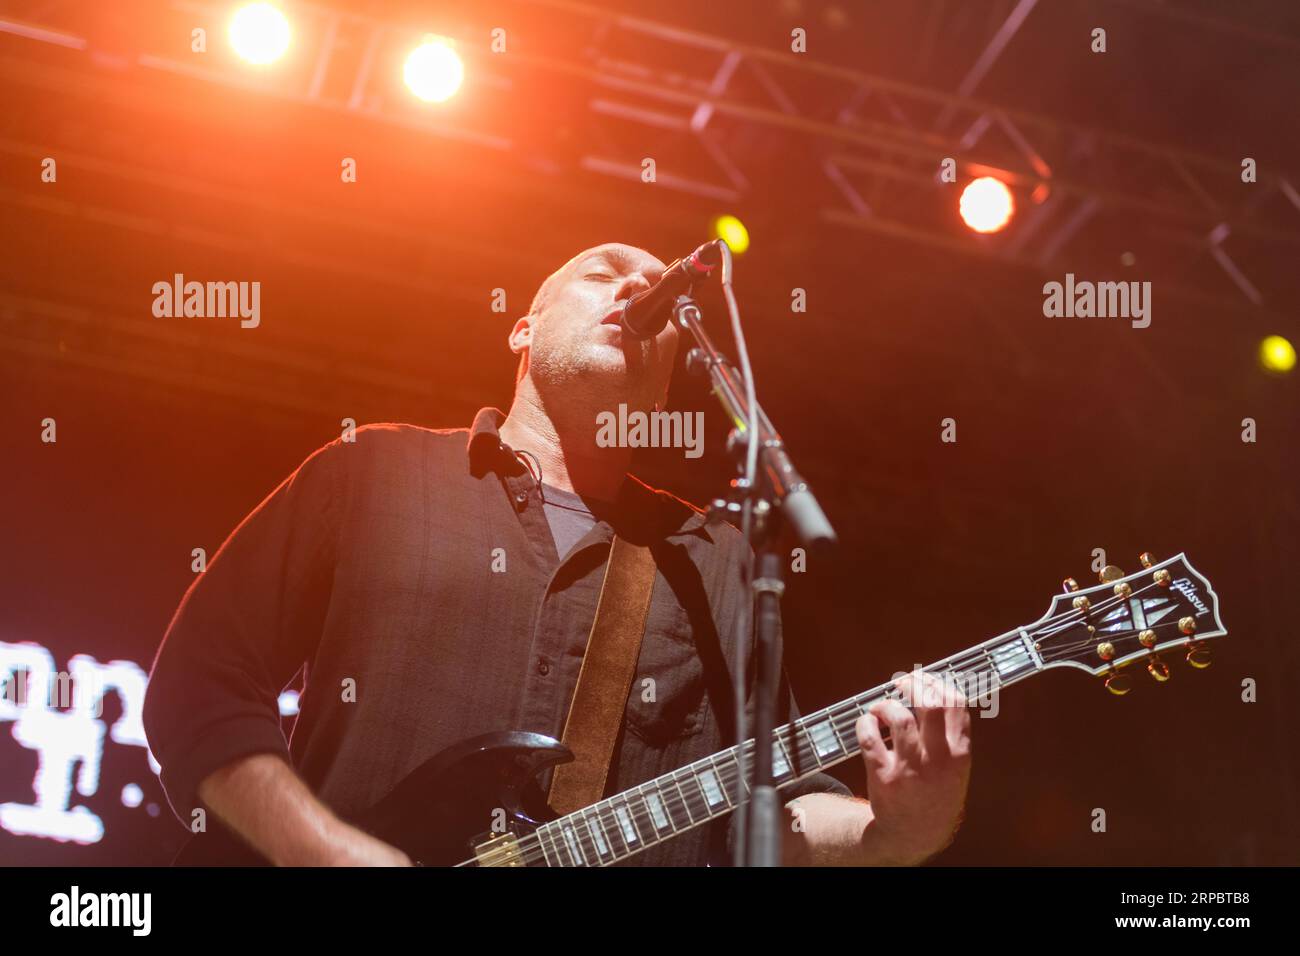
[[659, 809], [803, 732], [587, 840], [707, 780], [586, 846], [571, 841], [641, 817], [734, 763], [781, 765], [613, 833], [839, 740], [557, 845], [1011, 658], [696, 804], [627, 826], [717, 776], [597, 834], [684, 804], [956, 678], [542, 838], [659, 812], [846, 736], [824, 739], [560, 846]]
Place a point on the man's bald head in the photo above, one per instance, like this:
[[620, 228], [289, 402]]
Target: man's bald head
[[565, 341], [623, 253]]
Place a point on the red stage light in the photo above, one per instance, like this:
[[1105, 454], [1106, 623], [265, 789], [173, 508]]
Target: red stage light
[[987, 204]]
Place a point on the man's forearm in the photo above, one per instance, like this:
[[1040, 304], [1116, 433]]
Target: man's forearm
[[828, 829], [262, 799]]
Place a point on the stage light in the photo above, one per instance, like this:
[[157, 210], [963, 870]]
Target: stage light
[[733, 232], [259, 33], [433, 71], [986, 204], [1276, 354]]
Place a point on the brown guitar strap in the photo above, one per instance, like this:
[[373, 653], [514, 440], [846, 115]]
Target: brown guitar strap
[[608, 667]]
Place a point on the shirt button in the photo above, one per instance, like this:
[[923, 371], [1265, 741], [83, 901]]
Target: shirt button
[[521, 499], [543, 668]]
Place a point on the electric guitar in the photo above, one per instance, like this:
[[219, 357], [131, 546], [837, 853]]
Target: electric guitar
[[478, 803]]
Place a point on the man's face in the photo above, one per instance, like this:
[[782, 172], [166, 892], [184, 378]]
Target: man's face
[[573, 339]]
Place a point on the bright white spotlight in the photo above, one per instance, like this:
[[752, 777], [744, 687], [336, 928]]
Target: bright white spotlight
[[259, 33], [433, 71], [986, 204]]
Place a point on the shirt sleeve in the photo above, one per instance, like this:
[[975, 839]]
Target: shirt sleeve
[[244, 628]]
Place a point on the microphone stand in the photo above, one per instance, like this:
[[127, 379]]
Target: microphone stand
[[778, 498]]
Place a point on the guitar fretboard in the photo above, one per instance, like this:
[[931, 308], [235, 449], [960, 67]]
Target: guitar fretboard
[[660, 809]]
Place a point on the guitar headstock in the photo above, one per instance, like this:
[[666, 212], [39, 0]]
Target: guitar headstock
[[1131, 619]]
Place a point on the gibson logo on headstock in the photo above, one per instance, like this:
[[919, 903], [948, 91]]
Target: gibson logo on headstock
[[1188, 590]]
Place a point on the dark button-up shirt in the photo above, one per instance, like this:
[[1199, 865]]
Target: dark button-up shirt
[[412, 572]]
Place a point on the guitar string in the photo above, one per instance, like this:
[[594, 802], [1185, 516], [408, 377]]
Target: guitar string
[[727, 773], [640, 817], [605, 811]]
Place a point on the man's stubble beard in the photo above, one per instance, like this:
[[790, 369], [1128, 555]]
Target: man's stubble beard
[[587, 374]]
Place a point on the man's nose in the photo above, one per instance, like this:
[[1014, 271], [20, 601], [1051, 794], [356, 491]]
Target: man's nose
[[631, 285]]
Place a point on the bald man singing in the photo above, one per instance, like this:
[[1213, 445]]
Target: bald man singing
[[438, 584]]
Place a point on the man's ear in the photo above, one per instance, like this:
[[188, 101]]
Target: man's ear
[[521, 336]]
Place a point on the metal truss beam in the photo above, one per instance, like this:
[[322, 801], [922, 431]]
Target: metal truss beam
[[870, 135]]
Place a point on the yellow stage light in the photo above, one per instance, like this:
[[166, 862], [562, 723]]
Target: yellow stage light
[[1276, 354], [733, 232]]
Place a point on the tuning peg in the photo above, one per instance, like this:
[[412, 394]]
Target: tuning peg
[[1198, 655], [1158, 669], [1119, 684], [1069, 584], [1147, 638], [1162, 577], [1187, 625], [1110, 573], [1146, 559]]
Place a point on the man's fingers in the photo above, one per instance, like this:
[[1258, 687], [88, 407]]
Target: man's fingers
[[942, 713], [957, 726], [903, 732], [932, 715], [956, 721], [874, 751]]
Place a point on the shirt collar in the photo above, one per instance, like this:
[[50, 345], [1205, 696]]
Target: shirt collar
[[484, 437], [656, 511]]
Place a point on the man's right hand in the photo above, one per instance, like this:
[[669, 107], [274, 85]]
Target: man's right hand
[[352, 847], [262, 799]]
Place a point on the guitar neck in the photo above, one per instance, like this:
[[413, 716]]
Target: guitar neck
[[658, 810]]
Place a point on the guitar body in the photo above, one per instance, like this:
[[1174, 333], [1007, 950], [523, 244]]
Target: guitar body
[[440, 812]]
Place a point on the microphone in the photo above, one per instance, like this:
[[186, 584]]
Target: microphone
[[646, 313]]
